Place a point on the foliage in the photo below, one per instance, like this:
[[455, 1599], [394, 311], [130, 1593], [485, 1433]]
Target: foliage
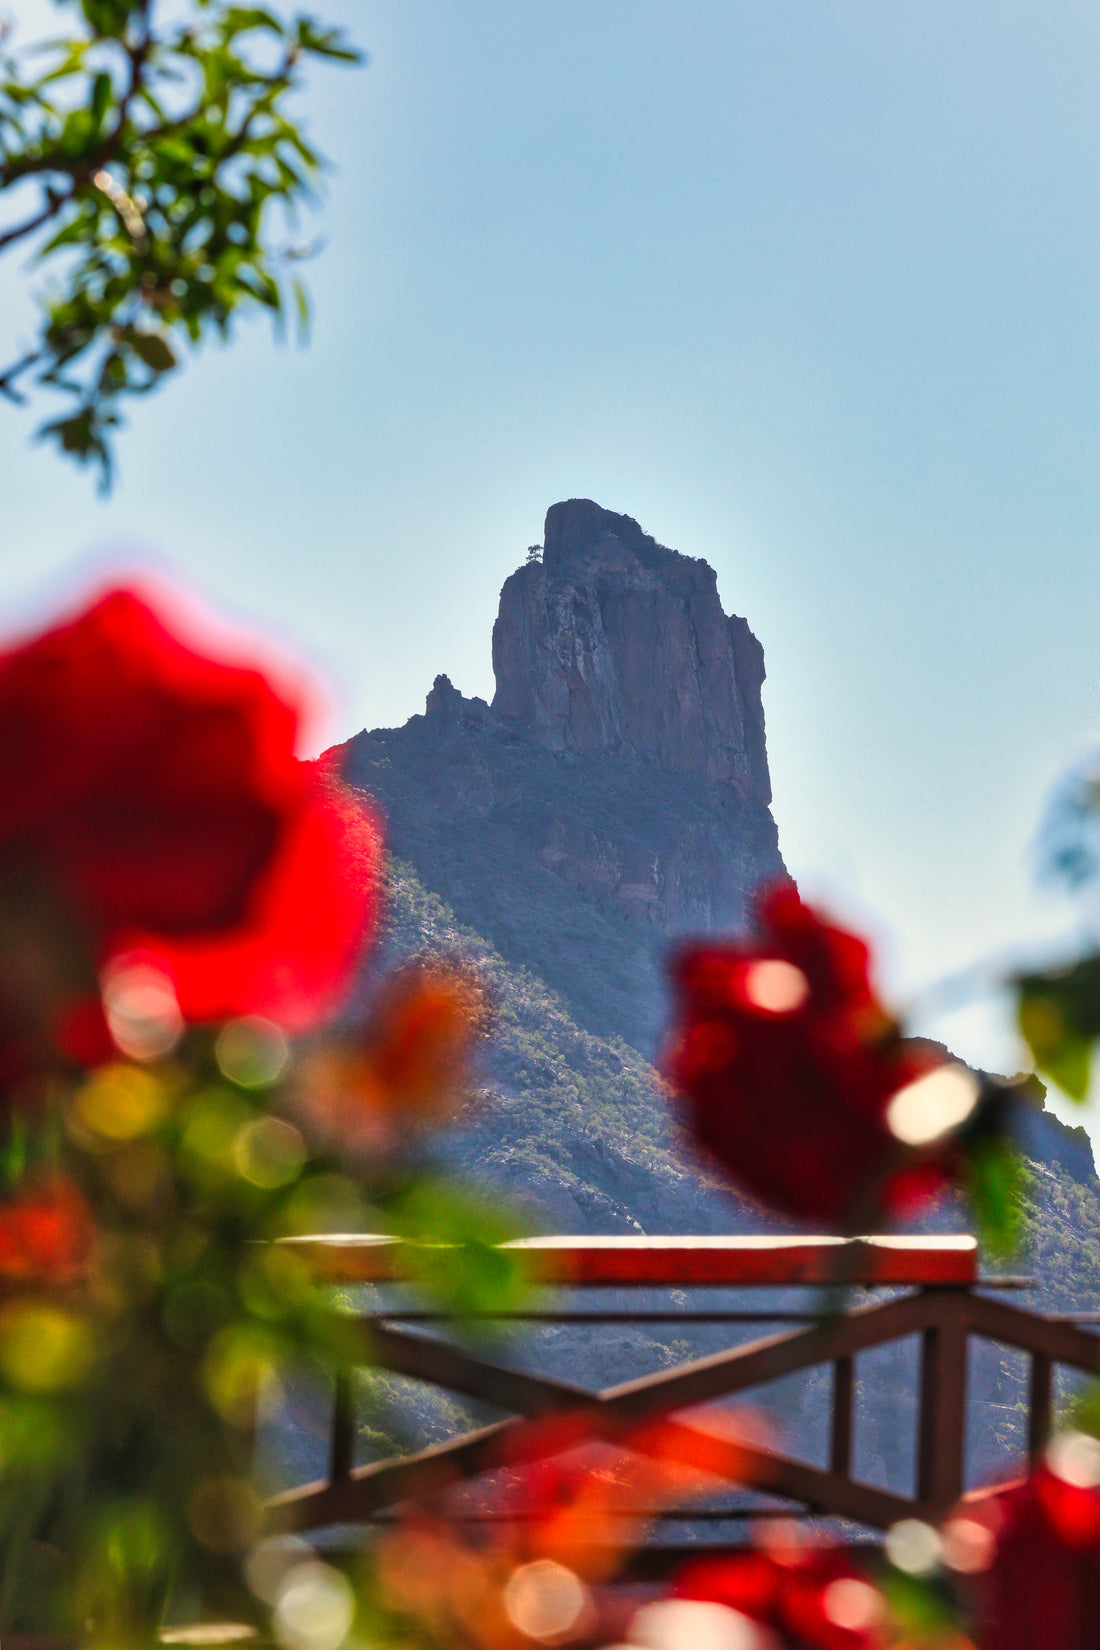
[[158, 1138], [1059, 1007], [153, 163], [1059, 1014]]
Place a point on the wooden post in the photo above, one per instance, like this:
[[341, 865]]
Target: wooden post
[[942, 1439], [1040, 1403], [840, 1453], [342, 1451]]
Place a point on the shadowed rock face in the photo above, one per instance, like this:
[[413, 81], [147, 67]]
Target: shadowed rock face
[[615, 794], [614, 644]]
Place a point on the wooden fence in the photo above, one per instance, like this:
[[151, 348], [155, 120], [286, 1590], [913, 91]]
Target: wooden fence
[[944, 1302]]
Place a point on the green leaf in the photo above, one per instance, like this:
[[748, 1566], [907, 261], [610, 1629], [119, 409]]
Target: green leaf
[[995, 1179], [321, 42], [154, 349], [454, 1249], [100, 101], [1059, 1017], [239, 19], [108, 17], [74, 231], [1083, 1411], [75, 133], [922, 1606], [301, 304]]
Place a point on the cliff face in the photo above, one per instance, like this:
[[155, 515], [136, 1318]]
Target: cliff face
[[614, 794], [614, 644]]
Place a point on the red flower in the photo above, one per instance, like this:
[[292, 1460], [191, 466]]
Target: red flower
[[1043, 1586], [788, 1063], [812, 1597], [45, 1237], [152, 802]]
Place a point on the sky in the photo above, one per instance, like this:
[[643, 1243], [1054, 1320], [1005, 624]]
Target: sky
[[807, 287]]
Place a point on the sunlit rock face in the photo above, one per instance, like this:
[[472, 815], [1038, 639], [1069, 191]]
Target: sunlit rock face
[[615, 794], [614, 644]]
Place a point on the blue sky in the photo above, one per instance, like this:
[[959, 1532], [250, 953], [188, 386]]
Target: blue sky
[[810, 289]]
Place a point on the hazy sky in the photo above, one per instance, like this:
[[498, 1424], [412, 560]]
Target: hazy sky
[[809, 287]]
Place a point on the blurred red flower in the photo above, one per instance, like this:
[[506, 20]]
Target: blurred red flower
[[45, 1236], [788, 1062], [407, 1065], [153, 803], [812, 1597], [1043, 1585]]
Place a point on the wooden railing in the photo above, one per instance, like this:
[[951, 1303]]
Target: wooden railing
[[945, 1303]]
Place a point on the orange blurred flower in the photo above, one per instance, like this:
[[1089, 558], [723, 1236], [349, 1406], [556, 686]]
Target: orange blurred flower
[[524, 1554], [45, 1237], [410, 1062]]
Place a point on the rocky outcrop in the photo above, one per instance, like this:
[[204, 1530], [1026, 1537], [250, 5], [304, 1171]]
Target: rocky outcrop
[[614, 644], [615, 793]]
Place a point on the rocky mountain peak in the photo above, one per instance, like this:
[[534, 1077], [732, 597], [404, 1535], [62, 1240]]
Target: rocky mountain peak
[[614, 644], [614, 795]]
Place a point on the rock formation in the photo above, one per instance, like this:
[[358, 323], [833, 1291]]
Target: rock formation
[[615, 794], [614, 644]]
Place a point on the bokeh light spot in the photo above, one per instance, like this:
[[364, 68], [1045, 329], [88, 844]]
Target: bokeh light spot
[[143, 1015], [44, 1349], [252, 1052], [933, 1106], [968, 1545], [239, 1368], [852, 1604], [217, 1116], [314, 1609], [121, 1102], [776, 986], [913, 1546], [544, 1600], [325, 1203], [269, 1562], [1074, 1457], [696, 1624], [269, 1152]]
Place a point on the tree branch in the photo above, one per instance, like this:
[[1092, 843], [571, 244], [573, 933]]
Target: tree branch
[[6, 378], [53, 206], [105, 150]]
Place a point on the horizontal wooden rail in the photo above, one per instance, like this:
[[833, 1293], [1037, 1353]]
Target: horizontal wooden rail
[[681, 1262]]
